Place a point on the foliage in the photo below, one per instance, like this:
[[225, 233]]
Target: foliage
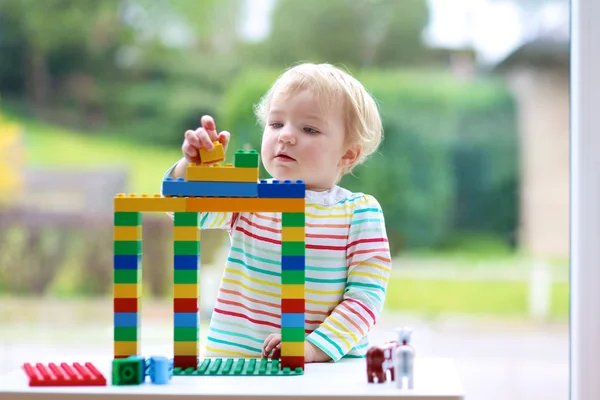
[[448, 156]]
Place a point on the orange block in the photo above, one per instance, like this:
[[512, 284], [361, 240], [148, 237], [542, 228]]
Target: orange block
[[147, 203], [243, 204], [215, 155], [220, 173]]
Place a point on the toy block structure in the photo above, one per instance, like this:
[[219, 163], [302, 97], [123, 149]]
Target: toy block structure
[[208, 188]]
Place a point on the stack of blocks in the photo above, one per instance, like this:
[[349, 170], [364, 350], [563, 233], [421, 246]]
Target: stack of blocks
[[208, 187]]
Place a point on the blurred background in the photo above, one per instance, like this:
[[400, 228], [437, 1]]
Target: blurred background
[[473, 173]]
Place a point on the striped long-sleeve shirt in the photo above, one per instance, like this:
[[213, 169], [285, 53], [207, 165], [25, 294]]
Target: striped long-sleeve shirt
[[347, 269]]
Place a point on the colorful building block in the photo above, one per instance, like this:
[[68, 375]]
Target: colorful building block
[[218, 173], [217, 154], [246, 159], [159, 370], [281, 190], [128, 371], [183, 188], [64, 374], [208, 189], [239, 367]]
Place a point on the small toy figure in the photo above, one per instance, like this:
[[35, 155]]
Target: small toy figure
[[404, 359], [380, 360]]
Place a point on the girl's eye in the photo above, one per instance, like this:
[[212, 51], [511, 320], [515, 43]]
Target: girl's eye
[[311, 130], [276, 125]]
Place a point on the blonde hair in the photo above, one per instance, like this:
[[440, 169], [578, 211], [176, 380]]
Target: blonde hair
[[328, 84]]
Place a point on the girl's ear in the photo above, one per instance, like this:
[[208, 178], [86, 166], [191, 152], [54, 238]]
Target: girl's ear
[[351, 155]]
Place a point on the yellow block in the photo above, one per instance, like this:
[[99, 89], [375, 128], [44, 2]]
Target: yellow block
[[127, 348], [186, 290], [147, 203], [127, 290], [186, 233], [185, 348], [292, 291], [243, 204], [217, 154], [128, 232], [292, 349], [220, 173], [293, 234]]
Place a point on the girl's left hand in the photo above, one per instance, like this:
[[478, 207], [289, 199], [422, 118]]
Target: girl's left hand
[[272, 344]]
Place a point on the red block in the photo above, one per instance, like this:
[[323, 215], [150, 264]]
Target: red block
[[292, 306], [126, 305], [64, 375], [292, 362], [185, 305], [185, 362]]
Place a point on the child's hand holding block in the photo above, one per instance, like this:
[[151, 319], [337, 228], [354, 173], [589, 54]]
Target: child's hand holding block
[[217, 154]]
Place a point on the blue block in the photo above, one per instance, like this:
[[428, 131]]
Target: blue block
[[292, 320], [189, 262], [183, 188], [185, 320], [132, 261], [293, 263], [281, 190], [160, 370], [126, 319]]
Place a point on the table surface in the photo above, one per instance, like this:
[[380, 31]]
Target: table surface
[[434, 379]]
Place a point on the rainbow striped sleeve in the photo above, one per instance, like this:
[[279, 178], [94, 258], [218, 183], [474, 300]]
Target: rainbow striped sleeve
[[211, 220], [368, 264]]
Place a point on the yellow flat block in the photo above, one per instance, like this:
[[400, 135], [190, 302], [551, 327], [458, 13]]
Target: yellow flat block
[[293, 234], [186, 290], [292, 349], [127, 348], [292, 291], [185, 348], [218, 173], [252, 204], [186, 233], [149, 203], [127, 233], [127, 290], [215, 155]]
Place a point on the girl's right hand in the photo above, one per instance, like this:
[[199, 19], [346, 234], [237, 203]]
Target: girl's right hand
[[203, 137]]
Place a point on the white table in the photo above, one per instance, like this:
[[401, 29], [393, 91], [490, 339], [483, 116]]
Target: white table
[[434, 379]]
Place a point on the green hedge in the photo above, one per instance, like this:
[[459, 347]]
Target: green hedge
[[448, 162]]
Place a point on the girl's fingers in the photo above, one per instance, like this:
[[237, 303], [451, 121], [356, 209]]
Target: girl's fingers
[[224, 138], [208, 123]]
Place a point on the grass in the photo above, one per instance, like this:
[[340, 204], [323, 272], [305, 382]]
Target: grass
[[51, 146], [502, 298]]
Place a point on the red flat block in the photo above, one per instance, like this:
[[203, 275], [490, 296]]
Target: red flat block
[[185, 305], [185, 362], [294, 306], [292, 362], [64, 375], [126, 305]]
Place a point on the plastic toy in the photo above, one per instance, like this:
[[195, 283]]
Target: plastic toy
[[404, 360], [64, 375], [159, 370], [380, 360], [201, 191]]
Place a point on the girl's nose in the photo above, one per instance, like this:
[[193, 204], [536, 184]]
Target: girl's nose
[[287, 135]]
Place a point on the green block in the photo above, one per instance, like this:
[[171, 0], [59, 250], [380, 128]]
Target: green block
[[185, 276], [245, 159], [239, 367], [292, 334], [185, 334], [293, 277], [292, 249], [127, 247], [123, 218], [126, 334], [127, 276], [128, 371], [293, 219], [186, 248], [186, 219]]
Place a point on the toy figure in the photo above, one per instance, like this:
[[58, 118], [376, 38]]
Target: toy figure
[[404, 359], [380, 360]]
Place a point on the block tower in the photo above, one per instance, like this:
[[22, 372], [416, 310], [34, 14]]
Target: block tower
[[209, 187]]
